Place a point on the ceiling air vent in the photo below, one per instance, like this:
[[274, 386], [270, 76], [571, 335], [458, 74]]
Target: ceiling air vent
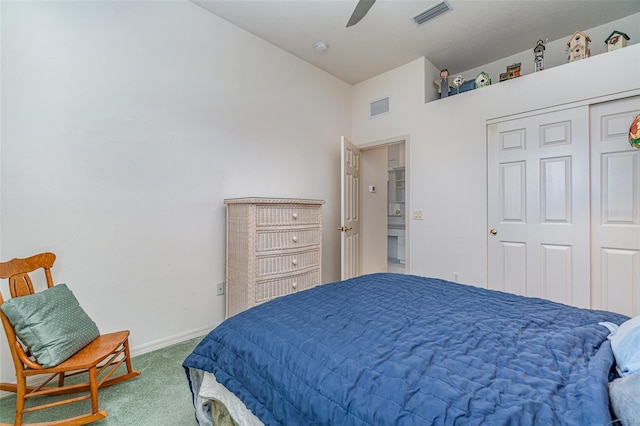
[[431, 13]]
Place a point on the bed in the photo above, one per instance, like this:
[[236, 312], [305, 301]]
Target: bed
[[386, 349]]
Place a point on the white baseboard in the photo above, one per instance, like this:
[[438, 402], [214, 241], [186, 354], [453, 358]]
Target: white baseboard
[[143, 349], [171, 340]]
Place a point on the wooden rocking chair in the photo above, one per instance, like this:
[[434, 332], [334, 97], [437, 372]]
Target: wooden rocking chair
[[99, 359]]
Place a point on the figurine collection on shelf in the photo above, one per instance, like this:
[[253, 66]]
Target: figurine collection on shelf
[[578, 48]]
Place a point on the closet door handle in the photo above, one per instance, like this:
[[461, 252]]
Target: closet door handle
[[493, 232]]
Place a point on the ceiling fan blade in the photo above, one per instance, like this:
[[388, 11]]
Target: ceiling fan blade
[[361, 9]]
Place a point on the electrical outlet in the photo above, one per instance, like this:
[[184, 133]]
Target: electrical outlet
[[417, 214], [456, 277], [220, 289]]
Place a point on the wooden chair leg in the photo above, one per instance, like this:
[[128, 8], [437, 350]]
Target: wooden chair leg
[[93, 384], [127, 355], [21, 384]]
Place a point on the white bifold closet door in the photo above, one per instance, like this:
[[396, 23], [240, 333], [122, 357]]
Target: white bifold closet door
[[538, 206], [563, 204], [615, 208]]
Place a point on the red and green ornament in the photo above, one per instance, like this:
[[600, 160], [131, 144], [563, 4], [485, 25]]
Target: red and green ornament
[[634, 132]]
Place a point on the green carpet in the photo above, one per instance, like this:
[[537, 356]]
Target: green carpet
[[159, 396]]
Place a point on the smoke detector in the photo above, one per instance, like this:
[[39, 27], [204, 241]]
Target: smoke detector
[[321, 46]]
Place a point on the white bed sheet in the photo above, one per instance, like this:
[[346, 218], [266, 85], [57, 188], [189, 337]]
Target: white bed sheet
[[206, 388]]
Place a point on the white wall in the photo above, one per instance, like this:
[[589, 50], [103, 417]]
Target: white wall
[[447, 173], [125, 125], [405, 88]]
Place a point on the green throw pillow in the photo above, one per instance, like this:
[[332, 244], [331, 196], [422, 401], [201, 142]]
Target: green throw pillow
[[51, 324]]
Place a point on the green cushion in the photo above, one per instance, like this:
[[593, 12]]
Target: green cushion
[[51, 324]]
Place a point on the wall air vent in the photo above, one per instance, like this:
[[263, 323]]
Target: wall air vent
[[379, 107], [431, 13]]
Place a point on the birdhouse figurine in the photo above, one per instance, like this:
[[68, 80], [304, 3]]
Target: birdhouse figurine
[[513, 71], [458, 82], [617, 40], [483, 79], [538, 53], [578, 46]]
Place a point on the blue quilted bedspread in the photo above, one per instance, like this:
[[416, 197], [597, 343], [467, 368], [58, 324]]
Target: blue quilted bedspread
[[388, 349]]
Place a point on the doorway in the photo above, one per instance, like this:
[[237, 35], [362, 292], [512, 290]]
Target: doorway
[[396, 214], [383, 201]]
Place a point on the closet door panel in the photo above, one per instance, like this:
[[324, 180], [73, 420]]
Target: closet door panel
[[615, 208], [557, 272], [538, 206], [619, 280]]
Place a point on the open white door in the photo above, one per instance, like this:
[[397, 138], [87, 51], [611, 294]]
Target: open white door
[[350, 210]]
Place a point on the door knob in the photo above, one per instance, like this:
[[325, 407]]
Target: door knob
[[493, 232], [345, 229]]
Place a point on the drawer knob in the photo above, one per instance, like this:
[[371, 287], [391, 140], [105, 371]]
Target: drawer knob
[[294, 261], [294, 284], [295, 239], [295, 215]]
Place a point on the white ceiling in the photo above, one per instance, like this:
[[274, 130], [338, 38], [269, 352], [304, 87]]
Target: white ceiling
[[474, 33]]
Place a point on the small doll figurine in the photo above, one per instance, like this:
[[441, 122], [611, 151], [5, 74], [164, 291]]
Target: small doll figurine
[[443, 83]]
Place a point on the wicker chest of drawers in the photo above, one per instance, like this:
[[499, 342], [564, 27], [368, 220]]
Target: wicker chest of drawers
[[274, 247]]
